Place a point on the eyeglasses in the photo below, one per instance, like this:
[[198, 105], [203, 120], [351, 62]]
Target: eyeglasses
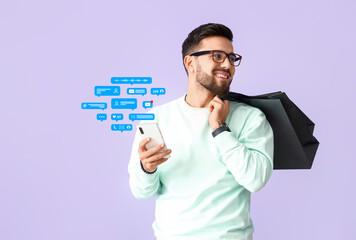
[[220, 56]]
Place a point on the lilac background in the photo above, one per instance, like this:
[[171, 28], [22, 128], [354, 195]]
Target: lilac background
[[63, 174]]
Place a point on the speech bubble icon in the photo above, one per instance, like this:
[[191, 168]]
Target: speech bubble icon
[[131, 80], [141, 116], [117, 116], [121, 127], [137, 91], [124, 103], [158, 91], [101, 116], [91, 105], [147, 104], [107, 91]]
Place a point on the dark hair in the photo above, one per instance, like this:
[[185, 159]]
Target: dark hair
[[201, 32]]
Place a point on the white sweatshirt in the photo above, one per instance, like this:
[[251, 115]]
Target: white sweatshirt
[[203, 191]]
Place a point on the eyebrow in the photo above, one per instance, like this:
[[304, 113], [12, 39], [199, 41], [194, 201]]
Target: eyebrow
[[224, 52], [214, 50]]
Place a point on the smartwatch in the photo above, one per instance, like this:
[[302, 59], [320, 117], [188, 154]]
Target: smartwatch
[[222, 128]]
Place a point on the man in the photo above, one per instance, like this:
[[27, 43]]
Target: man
[[220, 151]]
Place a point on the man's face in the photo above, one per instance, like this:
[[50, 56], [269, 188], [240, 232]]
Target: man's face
[[214, 77]]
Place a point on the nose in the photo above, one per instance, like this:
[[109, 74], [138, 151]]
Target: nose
[[226, 63]]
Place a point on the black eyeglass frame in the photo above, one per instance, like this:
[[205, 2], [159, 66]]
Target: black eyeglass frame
[[238, 56]]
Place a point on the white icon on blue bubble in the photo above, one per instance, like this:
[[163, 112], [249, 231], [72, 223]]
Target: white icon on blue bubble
[[121, 127], [124, 103], [101, 116], [137, 91], [107, 91], [93, 105], [158, 91], [147, 104], [131, 80], [117, 116], [141, 116]]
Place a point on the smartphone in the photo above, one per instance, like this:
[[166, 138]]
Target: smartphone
[[152, 131]]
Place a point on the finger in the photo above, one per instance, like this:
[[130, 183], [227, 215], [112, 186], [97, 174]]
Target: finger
[[151, 151], [142, 145], [218, 99], [158, 156], [215, 104], [158, 161], [155, 149], [218, 102], [211, 107], [153, 165]]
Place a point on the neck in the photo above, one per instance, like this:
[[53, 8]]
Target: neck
[[198, 98]]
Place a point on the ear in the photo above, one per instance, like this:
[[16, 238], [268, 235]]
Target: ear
[[189, 63]]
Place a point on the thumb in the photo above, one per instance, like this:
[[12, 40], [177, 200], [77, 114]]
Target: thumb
[[211, 107]]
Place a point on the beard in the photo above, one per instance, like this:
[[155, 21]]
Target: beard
[[209, 83]]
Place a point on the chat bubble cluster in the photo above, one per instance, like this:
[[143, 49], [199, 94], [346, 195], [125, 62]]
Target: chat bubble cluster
[[130, 102]]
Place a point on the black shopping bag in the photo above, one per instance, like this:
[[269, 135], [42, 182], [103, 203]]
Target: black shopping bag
[[294, 144]]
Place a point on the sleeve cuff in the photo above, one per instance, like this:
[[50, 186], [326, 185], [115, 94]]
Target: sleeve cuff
[[145, 177], [225, 141], [144, 170]]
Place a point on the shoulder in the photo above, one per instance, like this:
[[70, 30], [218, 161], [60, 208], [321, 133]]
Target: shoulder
[[166, 106], [244, 110], [164, 111], [244, 116]]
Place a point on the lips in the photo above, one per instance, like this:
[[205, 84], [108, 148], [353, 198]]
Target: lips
[[222, 75]]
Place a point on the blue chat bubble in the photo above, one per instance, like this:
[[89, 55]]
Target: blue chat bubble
[[158, 91], [147, 104], [97, 105], [107, 91], [137, 91], [124, 103], [117, 116], [121, 127], [131, 80], [141, 116], [101, 116]]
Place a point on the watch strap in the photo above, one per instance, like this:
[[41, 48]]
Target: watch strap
[[143, 169], [220, 129]]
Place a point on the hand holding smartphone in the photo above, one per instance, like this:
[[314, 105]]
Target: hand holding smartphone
[[152, 153], [152, 131]]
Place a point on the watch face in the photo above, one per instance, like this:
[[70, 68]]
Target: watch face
[[221, 124]]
